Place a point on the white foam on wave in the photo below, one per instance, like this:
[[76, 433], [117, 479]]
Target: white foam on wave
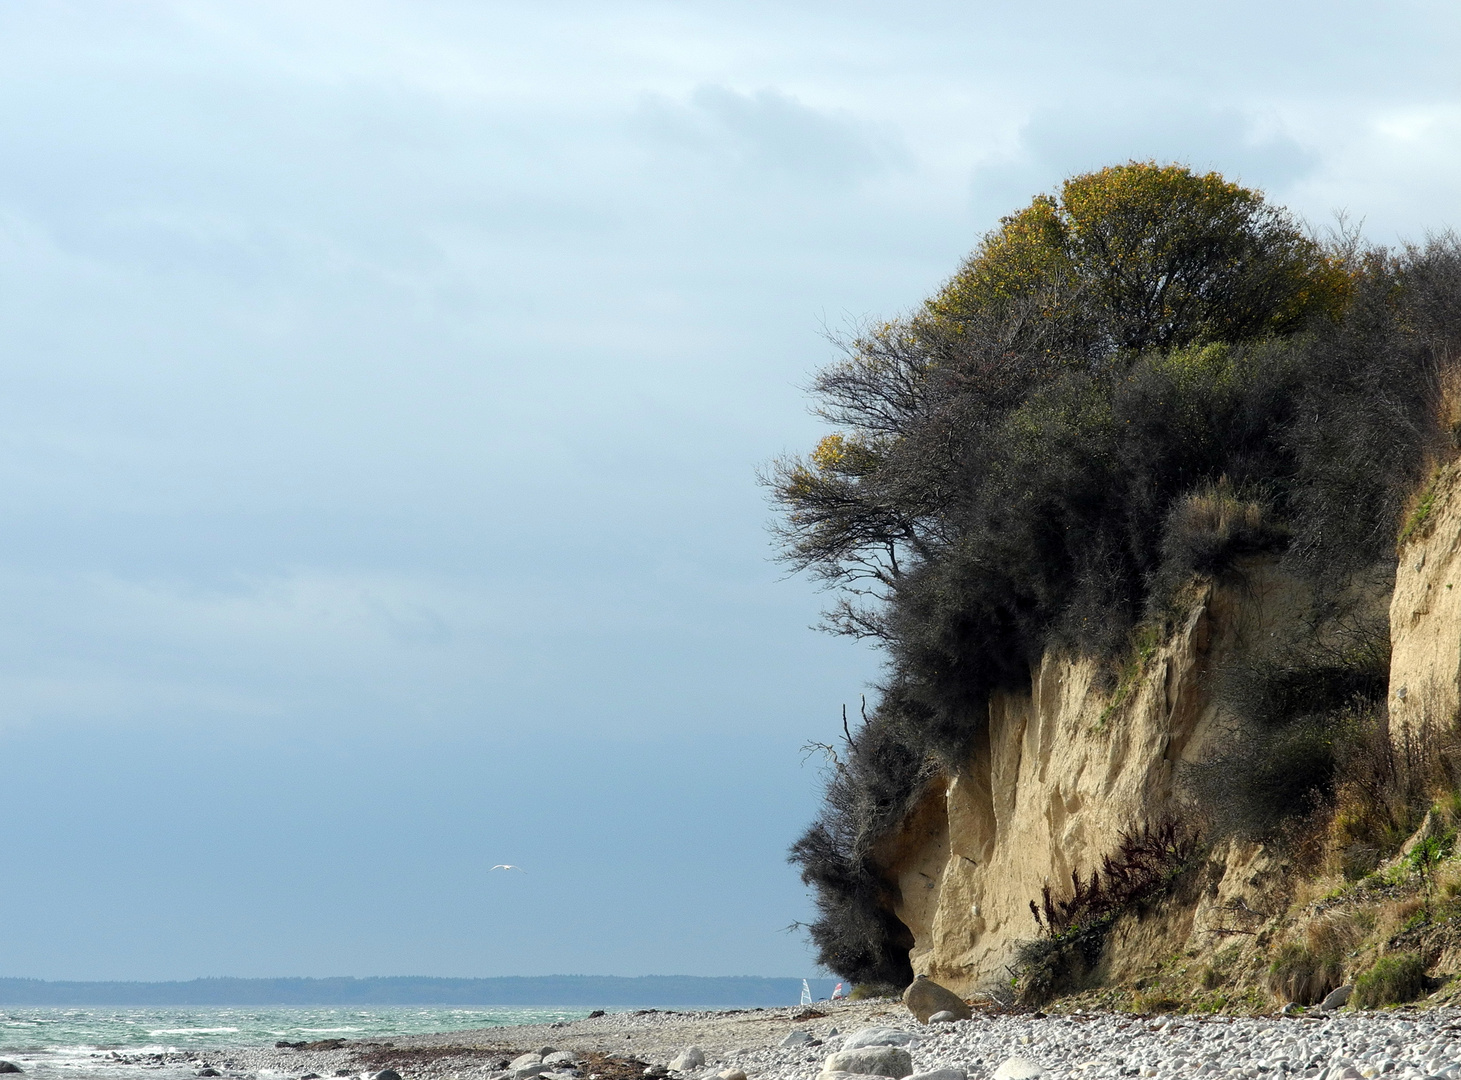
[[195, 1031]]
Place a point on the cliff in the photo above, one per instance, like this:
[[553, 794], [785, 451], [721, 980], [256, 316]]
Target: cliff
[[1066, 767]]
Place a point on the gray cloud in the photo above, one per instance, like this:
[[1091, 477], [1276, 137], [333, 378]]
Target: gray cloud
[[767, 133]]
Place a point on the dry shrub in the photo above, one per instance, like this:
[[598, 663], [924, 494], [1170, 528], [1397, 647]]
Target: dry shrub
[[1144, 865], [1396, 916], [1395, 978], [1334, 935], [1296, 974], [1205, 532], [1144, 861], [1306, 971], [1388, 780], [1296, 713], [1448, 400]]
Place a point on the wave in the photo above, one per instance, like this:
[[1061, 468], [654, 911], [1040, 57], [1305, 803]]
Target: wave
[[195, 1031]]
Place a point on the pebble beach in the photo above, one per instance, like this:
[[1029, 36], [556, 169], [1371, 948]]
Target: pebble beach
[[793, 1044]]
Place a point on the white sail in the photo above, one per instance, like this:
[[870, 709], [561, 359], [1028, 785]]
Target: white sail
[[806, 993]]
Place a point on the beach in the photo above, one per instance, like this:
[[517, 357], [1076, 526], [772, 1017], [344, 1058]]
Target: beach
[[1403, 1044]]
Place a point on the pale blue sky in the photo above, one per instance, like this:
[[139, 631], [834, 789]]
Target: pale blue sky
[[381, 390]]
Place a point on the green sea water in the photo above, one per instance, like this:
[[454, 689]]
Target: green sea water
[[78, 1043]]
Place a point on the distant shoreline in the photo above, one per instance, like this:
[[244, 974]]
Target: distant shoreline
[[546, 991]]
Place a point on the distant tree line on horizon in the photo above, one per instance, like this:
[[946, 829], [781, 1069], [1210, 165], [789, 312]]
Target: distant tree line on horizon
[[545, 991]]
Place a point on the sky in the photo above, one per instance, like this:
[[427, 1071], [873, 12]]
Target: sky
[[383, 385]]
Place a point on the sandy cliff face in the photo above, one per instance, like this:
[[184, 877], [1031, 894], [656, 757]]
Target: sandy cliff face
[[1062, 773], [1425, 613]]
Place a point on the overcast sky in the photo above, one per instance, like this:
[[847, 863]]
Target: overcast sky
[[382, 386]]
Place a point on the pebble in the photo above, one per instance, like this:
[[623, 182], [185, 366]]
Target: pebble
[[1339, 1045]]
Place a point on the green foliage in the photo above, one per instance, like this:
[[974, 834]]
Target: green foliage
[[1139, 257], [1417, 525], [1151, 376], [1395, 979]]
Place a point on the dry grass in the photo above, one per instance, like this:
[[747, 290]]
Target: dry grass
[[1304, 971]]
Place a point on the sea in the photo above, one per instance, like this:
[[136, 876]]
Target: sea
[[70, 1043]]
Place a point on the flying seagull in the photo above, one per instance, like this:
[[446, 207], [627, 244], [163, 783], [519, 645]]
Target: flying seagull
[[509, 866]]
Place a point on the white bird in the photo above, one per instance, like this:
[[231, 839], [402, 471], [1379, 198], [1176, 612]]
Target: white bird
[[508, 866]]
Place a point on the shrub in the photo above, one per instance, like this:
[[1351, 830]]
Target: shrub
[[1306, 971], [873, 992], [1396, 978], [1306, 721], [1145, 864]]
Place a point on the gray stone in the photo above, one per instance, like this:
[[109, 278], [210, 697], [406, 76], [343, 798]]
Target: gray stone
[[941, 1074], [795, 1038], [523, 1061], [942, 1017], [207, 1072], [559, 1057], [832, 1032], [1017, 1068], [527, 1072], [879, 1036], [545, 1051], [12, 1067], [891, 1061], [733, 1074], [691, 1057], [387, 1074], [1293, 1008], [926, 997], [1337, 999]]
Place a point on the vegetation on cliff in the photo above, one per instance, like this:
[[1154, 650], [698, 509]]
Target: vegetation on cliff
[[1139, 379]]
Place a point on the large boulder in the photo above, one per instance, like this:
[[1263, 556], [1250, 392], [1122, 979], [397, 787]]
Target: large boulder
[[1018, 1068], [891, 1061], [879, 1036], [691, 1057], [926, 997], [941, 1074]]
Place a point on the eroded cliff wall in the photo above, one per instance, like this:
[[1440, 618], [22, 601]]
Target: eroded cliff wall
[[1064, 769], [1425, 611]]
